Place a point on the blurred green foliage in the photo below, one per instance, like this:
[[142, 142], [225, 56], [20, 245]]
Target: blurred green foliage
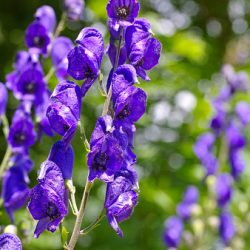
[[197, 38]]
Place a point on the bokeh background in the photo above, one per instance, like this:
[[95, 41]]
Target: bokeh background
[[198, 37]]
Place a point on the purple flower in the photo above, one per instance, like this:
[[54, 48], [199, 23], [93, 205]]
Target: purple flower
[[143, 50], [107, 150], [63, 158], [22, 161], [124, 77], [218, 122], [64, 110], [173, 231], [237, 163], [121, 198], [36, 36], [30, 85], [130, 104], [112, 51], [46, 16], [122, 12], [41, 118], [223, 189], [4, 99], [242, 110], [10, 242], [236, 81], [59, 51], [15, 191], [85, 59], [203, 149], [22, 134], [74, 9], [226, 228], [234, 136], [49, 199], [190, 198]]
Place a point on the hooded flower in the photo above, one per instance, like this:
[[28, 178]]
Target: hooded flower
[[235, 137], [36, 36], [108, 150], [49, 199], [130, 104], [59, 51], [143, 50], [10, 242], [237, 163], [22, 134], [46, 16], [226, 228], [74, 9], [3, 100], [122, 13], [63, 158], [64, 110], [204, 151], [190, 198], [223, 189], [121, 198], [173, 231], [15, 191], [242, 110], [85, 59]]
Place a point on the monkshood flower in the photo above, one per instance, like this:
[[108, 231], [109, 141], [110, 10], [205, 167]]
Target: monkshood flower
[[85, 59], [122, 13], [59, 51], [226, 228], [223, 189], [37, 37], [22, 161], [112, 51], [203, 149], [242, 111], [236, 139], [173, 231], [107, 150], [237, 163], [63, 158], [10, 242], [49, 199], [190, 198], [30, 85], [3, 99], [64, 110], [218, 122], [74, 9], [143, 50], [22, 134], [130, 104], [236, 81], [15, 191], [121, 198], [46, 16], [41, 118]]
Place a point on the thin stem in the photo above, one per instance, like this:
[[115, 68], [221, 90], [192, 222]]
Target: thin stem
[[72, 200], [5, 126], [94, 224], [5, 161], [79, 218], [60, 26], [49, 74], [223, 152], [106, 108], [83, 135]]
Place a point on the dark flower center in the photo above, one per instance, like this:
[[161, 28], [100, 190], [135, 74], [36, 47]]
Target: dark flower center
[[52, 211], [39, 41], [100, 161], [65, 127], [122, 12], [19, 138], [29, 88], [124, 113]]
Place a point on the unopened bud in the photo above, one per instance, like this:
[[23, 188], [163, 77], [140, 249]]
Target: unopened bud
[[10, 229]]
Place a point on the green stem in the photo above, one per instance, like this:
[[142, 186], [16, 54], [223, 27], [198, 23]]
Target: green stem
[[5, 161], [77, 227], [83, 135], [60, 26], [107, 104], [5, 126], [94, 224], [72, 190]]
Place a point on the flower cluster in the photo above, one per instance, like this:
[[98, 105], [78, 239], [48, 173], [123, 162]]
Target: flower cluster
[[174, 225], [29, 85], [227, 128]]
